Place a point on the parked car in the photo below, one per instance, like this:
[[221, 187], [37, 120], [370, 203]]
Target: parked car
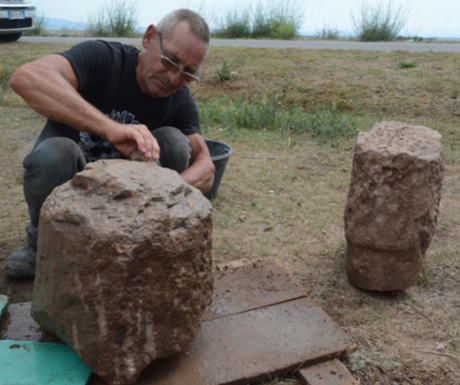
[[16, 17]]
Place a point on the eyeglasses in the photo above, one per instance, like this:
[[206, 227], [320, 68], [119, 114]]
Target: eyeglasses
[[170, 65]]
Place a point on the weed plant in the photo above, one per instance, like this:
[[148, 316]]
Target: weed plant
[[406, 65], [224, 73], [39, 27], [261, 25], [380, 21], [115, 19], [269, 19], [328, 33], [237, 24], [278, 20], [4, 79]]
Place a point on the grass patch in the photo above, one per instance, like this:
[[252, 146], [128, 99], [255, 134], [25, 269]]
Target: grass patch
[[265, 112]]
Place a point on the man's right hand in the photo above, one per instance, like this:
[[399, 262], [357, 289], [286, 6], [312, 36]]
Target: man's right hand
[[129, 138]]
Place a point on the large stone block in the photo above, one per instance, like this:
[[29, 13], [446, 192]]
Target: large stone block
[[393, 202], [124, 267]]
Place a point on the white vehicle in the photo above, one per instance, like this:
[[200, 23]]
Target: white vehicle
[[16, 17]]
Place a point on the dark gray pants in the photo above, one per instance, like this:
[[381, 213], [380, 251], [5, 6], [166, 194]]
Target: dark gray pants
[[57, 159]]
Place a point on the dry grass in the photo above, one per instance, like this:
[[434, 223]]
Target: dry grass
[[362, 82], [284, 196]]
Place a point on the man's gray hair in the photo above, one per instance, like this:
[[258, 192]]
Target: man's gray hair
[[197, 24]]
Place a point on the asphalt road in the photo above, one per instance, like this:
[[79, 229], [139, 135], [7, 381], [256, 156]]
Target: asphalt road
[[303, 44]]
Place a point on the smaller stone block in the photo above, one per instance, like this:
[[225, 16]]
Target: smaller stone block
[[327, 373], [392, 206]]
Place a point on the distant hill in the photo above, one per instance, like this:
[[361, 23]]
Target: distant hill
[[51, 23], [58, 24]]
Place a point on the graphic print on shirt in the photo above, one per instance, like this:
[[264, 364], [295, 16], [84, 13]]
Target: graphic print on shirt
[[95, 147]]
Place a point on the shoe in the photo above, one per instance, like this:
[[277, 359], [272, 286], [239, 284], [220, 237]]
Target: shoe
[[21, 264]]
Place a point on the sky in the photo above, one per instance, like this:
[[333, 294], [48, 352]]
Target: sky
[[429, 18]]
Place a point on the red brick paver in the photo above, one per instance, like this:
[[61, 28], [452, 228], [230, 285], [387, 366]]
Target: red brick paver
[[327, 373]]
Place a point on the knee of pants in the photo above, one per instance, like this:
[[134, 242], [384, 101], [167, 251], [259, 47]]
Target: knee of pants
[[175, 148], [56, 152], [52, 163]]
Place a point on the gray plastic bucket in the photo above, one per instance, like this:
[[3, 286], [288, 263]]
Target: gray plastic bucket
[[220, 152]]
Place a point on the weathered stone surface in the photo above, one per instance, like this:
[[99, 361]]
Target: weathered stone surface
[[124, 266], [392, 206]]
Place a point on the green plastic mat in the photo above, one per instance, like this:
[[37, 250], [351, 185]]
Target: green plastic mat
[[40, 363]]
